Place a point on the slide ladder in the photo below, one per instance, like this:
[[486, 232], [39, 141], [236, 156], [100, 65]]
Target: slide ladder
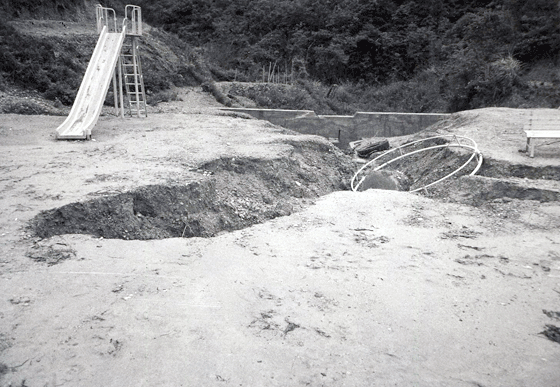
[[133, 78], [105, 63]]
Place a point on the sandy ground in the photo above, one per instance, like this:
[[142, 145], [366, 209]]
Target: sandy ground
[[377, 288]]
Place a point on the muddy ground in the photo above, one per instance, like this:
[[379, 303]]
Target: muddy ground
[[196, 248]]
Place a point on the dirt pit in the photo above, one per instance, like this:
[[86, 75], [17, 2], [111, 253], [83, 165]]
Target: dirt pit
[[233, 193], [295, 281]]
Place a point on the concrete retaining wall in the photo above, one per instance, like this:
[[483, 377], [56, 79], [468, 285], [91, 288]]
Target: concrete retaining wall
[[346, 128]]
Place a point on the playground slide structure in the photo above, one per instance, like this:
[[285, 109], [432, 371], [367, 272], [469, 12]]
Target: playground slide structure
[[94, 87], [100, 71]]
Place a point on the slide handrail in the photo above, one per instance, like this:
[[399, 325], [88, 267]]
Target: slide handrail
[[133, 14], [103, 16], [106, 17]]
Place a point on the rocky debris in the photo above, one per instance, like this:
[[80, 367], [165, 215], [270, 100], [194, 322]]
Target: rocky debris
[[367, 147], [19, 102], [552, 332], [50, 252]]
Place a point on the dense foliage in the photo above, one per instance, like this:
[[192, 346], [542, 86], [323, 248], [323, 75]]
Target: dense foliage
[[372, 40], [419, 55], [474, 50], [36, 64]]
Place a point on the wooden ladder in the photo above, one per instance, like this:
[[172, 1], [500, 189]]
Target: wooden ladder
[[133, 78]]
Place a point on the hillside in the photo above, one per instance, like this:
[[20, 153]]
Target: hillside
[[340, 57], [45, 59]]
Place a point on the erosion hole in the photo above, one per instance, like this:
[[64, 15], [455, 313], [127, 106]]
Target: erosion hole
[[232, 193]]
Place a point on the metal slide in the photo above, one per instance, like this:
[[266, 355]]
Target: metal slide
[[94, 87]]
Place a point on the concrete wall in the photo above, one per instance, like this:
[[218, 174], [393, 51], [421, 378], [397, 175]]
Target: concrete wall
[[346, 128]]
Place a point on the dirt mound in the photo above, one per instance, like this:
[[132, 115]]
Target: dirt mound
[[16, 101]]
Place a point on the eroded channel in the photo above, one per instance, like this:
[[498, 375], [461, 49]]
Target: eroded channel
[[234, 193], [231, 194]]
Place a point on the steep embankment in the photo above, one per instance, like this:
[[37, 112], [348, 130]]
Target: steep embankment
[[232, 193]]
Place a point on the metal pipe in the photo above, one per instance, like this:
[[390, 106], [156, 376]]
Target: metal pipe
[[121, 85], [474, 148], [115, 92]]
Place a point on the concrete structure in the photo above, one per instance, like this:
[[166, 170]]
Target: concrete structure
[[346, 129]]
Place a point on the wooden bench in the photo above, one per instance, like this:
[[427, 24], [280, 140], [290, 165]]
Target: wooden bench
[[545, 126]]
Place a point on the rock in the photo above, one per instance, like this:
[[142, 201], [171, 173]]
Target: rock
[[388, 180], [368, 146]]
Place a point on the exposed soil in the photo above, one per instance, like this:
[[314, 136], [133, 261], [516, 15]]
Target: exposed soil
[[235, 193], [195, 247]]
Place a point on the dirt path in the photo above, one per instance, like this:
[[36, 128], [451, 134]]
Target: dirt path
[[360, 289]]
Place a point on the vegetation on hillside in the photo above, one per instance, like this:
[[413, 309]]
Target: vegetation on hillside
[[432, 55], [36, 64], [346, 55]]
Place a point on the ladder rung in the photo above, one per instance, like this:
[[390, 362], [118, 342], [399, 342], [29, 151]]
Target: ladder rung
[[133, 80]]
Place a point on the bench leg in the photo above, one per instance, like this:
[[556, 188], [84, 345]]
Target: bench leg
[[531, 147]]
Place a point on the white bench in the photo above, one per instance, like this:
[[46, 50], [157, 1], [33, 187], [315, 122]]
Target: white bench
[[540, 127]]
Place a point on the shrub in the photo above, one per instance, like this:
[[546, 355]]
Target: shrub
[[31, 63], [24, 106], [189, 76], [212, 88], [162, 96], [60, 92], [275, 96]]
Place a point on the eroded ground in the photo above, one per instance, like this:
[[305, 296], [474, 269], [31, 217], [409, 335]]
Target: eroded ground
[[358, 289]]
